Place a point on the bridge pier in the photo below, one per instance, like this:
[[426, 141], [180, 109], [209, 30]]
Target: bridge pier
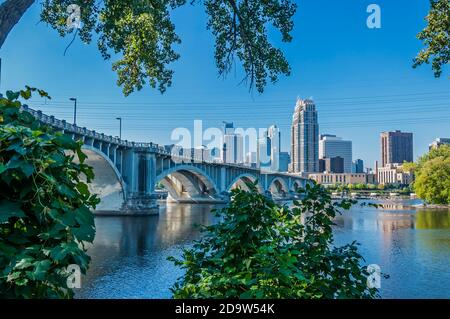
[[127, 172], [141, 204]]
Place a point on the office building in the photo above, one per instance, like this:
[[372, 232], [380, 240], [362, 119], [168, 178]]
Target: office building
[[331, 165], [336, 178], [393, 174], [251, 159], [396, 147], [268, 150], [331, 146], [438, 142], [358, 166], [304, 138], [285, 159], [233, 145]]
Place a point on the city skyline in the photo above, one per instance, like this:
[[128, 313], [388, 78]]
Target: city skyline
[[360, 89]]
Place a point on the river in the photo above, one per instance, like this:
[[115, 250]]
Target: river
[[410, 244]]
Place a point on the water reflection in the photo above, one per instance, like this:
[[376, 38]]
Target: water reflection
[[433, 219], [412, 245]]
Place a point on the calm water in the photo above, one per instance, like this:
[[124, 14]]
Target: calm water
[[411, 245]]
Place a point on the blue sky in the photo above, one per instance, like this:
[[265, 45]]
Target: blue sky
[[361, 79]]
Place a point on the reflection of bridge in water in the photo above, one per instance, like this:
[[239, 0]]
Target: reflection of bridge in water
[[126, 172]]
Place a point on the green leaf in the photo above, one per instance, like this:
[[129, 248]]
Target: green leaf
[[10, 95], [24, 263], [66, 142], [10, 209], [84, 233], [40, 269]]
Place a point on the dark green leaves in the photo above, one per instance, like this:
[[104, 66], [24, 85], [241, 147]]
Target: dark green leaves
[[259, 249], [45, 208], [140, 35], [436, 37], [240, 28], [9, 209]]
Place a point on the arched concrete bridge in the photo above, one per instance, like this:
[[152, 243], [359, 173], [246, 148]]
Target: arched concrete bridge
[[127, 173]]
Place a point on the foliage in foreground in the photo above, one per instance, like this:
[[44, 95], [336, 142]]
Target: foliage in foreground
[[436, 37], [432, 176], [140, 35], [263, 250], [44, 205]]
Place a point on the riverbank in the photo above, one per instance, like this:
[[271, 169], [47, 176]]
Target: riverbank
[[433, 206]]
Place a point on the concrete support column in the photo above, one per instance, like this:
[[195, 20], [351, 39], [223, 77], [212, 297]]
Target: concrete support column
[[135, 172], [142, 199], [223, 179], [151, 173], [112, 153]]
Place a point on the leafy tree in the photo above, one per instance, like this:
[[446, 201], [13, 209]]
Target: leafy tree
[[409, 167], [142, 35], [432, 176], [45, 215], [441, 151], [260, 249], [436, 37]]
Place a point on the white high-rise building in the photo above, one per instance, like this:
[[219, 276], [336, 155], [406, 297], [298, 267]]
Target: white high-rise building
[[233, 148], [304, 138], [263, 152], [251, 159], [332, 146], [268, 153]]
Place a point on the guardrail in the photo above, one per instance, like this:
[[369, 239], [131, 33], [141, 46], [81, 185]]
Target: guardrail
[[178, 153]]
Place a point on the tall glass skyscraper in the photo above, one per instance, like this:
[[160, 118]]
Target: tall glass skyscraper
[[332, 146], [268, 153], [305, 138]]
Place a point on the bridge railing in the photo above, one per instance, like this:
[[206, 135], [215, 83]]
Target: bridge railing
[[178, 154]]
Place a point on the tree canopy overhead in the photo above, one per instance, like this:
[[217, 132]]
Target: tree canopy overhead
[[141, 34], [436, 37]]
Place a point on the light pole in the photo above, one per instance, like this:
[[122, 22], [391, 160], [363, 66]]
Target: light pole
[[74, 110], [120, 126], [203, 151]]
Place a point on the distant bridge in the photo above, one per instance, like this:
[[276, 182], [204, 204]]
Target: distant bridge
[[126, 173]]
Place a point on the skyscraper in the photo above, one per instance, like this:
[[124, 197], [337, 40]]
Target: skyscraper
[[268, 152], [396, 147], [233, 145], [358, 166], [285, 159], [331, 146], [304, 138]]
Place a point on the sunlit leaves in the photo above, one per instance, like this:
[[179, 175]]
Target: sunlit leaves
[[45, 205], [436, 37], [432, 176]]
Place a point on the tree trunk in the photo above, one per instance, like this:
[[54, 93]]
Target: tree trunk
[[10, 13]]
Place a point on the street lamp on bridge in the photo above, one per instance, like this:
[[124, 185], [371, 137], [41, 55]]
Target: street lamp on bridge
[[120, 126], [74, 110]]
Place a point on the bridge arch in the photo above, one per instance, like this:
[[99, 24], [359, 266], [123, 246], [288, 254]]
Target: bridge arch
[[108, 183], [278, 186], [296, 185], [242, 179], [186, 182]]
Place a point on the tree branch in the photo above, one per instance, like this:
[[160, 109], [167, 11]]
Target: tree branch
[[10, 13]]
